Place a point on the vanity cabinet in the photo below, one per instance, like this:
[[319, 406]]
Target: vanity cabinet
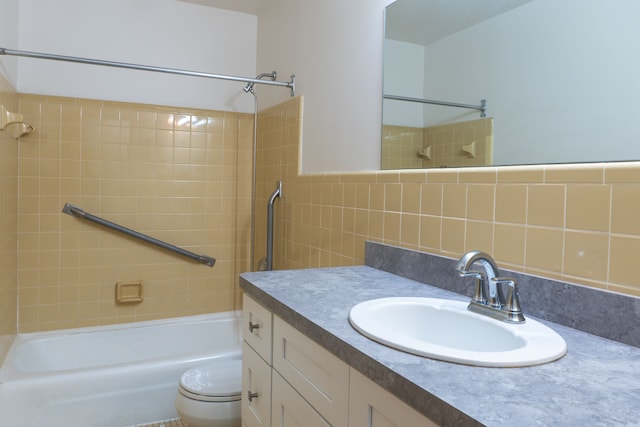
[[288, 379], [257, 323], [372, 406]]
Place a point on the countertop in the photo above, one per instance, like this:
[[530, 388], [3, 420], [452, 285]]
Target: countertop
[[597, 383]]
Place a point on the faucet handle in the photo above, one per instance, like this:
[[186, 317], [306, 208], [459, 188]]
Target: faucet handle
[[512, 301], [479, 293]]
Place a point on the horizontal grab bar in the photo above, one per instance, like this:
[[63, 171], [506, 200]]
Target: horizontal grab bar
[[78, 212]]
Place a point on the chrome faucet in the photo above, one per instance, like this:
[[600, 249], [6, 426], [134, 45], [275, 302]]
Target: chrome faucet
[[493, 304]]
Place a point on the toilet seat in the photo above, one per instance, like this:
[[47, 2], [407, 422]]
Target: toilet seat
[[217, 382]]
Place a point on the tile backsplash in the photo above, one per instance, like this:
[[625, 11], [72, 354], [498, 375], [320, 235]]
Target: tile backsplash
[[576, 223]]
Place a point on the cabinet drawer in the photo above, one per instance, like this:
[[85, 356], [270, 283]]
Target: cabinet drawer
[[257, 327], [256, 389], [290, 409], [320, 377]]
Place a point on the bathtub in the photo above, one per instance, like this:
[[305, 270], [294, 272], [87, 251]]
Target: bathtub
[[111, 376]]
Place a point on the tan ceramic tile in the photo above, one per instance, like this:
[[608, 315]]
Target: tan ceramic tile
[[588, 207], [521, 174], [391, 226], [453, 235], [624, 252], [393, 197], [479, 234], [623, 172], [480, 201], [442, 176], [511, 203], [574, 173], [478, 175], [454, 200], [430, 229], [625, 205], [431, 199], [509, 244], [411, 193], [544, 248], [546, 205], [410, 229], [586, 255]]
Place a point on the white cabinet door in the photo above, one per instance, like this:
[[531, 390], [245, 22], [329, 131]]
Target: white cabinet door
[[256, 389], [289, 409], [372, 406], [320, 377]]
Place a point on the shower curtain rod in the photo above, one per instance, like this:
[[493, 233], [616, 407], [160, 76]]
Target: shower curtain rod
[[291, 84], [77, 211], [482, 107]]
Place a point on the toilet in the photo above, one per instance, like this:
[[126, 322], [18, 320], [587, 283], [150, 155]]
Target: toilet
[[209, 395]]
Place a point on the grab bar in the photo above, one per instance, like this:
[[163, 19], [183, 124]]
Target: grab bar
[[277, 193], [78, 212]]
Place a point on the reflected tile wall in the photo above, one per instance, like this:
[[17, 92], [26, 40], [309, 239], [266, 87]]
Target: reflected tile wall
[[180, 175]]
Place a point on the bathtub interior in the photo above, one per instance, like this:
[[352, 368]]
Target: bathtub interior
[[116, 390]]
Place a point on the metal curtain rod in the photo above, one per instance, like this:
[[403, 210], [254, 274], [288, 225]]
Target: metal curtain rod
[[76, 211], [482, 107], [291, 84]]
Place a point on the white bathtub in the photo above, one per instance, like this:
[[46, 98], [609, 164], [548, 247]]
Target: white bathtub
[[121, 375]]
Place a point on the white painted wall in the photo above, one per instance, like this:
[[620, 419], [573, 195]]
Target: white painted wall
[[164, 33], [335, 49], [9, 39]]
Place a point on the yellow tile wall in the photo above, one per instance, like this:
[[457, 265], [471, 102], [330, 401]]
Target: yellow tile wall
[[572, 222], [8, 219], [180, 175]]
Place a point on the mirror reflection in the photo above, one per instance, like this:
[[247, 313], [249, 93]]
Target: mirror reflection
[[559, 80]]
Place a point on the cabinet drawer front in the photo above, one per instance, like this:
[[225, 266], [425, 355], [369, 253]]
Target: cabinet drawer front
[[290, 409], [372, 406], [257, 327], [320, 377], [256, 382]]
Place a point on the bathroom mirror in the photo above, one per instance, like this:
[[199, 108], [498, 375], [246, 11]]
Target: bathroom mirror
[[560, 80]]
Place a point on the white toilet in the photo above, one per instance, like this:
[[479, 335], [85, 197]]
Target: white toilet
[[209, 395]]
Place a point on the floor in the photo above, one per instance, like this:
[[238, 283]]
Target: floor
[[167, 423]]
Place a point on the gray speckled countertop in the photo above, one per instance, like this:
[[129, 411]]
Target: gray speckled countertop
[[596, 384]]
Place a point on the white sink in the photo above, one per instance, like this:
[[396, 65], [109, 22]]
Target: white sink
[[445, 330]]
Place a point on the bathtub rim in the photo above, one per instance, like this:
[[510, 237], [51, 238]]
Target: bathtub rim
[[7, 362]]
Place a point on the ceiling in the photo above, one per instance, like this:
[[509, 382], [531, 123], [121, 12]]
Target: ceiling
[[425, 21], [245, 6]]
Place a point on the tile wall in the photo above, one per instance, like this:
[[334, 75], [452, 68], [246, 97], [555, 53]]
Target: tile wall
[[571, 222], [447, 143], [401, 144], [8, 219], [179, 175]]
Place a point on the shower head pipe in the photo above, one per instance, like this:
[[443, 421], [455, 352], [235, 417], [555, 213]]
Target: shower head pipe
[[76, 211], [11, 52]]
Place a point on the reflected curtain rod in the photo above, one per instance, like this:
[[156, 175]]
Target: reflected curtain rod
[[78, 212], [11, 52], [482, 107]]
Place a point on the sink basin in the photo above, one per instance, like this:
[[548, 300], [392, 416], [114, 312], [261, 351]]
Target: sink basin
[[445, 330]]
